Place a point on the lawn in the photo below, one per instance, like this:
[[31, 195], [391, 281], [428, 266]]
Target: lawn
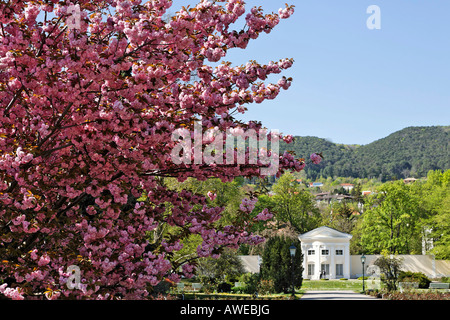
[[355, 285]]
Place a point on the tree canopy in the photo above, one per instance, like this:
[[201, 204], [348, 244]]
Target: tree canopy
[[410, 152], [91, 94]]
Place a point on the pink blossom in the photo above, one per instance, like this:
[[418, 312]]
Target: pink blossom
[[86, 132], [44, 260], [264, 215], [316, 158], [212, 196]]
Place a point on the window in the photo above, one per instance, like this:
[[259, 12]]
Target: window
[[310, 269], [339, 269], [326, 268], [311, 252], [339, 252], [325, 252]]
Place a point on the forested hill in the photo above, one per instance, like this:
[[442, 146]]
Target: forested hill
[[410, 152]]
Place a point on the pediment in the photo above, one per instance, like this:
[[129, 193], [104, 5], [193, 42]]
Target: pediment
[[324, 233]]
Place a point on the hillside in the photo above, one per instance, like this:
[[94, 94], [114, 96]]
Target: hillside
[[410, 152]]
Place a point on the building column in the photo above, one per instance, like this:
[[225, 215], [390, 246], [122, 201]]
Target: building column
[[332, 263], [347, 261], [305, 260], [317, 261]]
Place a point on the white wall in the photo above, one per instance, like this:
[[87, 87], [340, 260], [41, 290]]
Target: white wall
[[416, 263]]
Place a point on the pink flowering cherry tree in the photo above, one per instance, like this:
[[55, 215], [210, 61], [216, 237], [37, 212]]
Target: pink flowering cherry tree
[[90, 94]]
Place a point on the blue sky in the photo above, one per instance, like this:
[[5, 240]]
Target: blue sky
[[354, 85]]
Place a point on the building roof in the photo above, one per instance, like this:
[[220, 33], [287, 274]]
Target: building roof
[[323, 233], [328, 196], [250, 263]]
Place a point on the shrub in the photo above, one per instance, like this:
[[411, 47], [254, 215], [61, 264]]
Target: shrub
[[343, 279], [390, 269], [408, 276], [237, 289], [266, 287], [224, 287], [250, 281], [163, 287], [413, 295], [445, 279], [365, 278]]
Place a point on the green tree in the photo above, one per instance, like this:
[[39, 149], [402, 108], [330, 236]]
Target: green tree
[[391, 220], [264, 201], [390, 268], [434, 196], [213, 271], [278, 265], [342, 216], [441, 231], [295, 205]]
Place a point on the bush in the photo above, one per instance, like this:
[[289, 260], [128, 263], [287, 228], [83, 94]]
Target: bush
[[390, 270], [238, 290], [250, 281], [412, 295], [224, 287], [266, 287], [445, 279], [163, 287], [365, 278], [408, 276], [343, 279]]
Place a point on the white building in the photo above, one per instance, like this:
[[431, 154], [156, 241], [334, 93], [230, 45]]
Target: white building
[[326, 253]]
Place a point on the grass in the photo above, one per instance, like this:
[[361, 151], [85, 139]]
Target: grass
[[352, 284], [355, 285]]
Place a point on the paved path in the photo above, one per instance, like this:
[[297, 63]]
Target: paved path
[[335, 295]]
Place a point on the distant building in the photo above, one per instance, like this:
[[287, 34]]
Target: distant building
[[328, 197], [347, 186], [409, 180], [316, 184]]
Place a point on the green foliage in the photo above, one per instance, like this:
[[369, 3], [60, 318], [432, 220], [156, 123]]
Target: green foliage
[[341, 216], [227, 268], [410, 152], [445, 279], [278, 266], [250, 281], [264, 201], [267, 287], [409, 276], [390, 270], [294, 205], [436, 201], [391, 220]]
